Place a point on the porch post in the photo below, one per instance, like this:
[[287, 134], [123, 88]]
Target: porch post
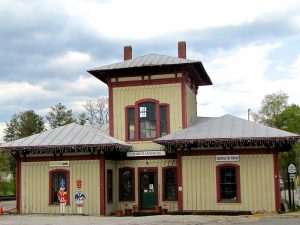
[[102, 184], [179, 181], [276, 182], [18, 194]]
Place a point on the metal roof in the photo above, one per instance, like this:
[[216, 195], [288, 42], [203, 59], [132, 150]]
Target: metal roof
[[103, 127], [150, 63], [70, 135], [225, 129], [146, 60]]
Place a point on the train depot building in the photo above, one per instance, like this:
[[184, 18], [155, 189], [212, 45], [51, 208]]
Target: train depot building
[[155, 150]]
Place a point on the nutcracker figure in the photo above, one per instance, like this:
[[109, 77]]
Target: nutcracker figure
[[62, 197], [79, 198]]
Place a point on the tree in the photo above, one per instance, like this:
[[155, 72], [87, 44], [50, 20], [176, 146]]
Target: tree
[[97, 110], [289, 119], [22, 125], [81, 118], [4, 161], [276, 112], [4, 170], [59, 115], [271, 108], [12, 130]]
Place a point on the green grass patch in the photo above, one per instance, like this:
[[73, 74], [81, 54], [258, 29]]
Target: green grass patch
[[8, 188]]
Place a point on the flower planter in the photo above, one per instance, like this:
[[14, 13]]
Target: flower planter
[[136, 209], [158, 209], [119, 213], [164, 211], [128, 212]]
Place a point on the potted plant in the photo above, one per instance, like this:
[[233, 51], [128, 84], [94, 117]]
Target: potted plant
[[119, 213], [128, 212], [136, 208], [164, 208], [158, 209]]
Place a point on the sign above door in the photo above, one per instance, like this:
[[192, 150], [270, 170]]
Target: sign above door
[[145, 153]]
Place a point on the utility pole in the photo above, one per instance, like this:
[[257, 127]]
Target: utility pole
[[249, 111]]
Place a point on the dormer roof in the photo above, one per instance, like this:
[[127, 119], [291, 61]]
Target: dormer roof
[[153, 64]]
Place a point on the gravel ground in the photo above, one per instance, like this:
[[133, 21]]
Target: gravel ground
[[40, 219], [8, 205], [147, 220]]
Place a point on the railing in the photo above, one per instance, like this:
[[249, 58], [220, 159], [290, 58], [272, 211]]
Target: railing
[[7, 198]]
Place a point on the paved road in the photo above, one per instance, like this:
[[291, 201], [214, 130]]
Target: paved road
[[149, 220], [276, 221]]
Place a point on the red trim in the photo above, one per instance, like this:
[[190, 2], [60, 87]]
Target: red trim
[[126, 122], [238, 183], [276, 182], [146, 82], [164, 169], [88, 157], [102, 185], [179, 181], [18, 197], [136, 114], [183, 102], [67, 185], [137, 122], [51, 158], [227, 152], [111, 109], [149, 158], [168, 117], [132, 181], [146, 170]]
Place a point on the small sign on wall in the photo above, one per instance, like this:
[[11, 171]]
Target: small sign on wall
[[227, 158], [146, 153], [59, 163]]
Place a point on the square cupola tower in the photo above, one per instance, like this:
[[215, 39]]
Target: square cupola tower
[[151, 95]]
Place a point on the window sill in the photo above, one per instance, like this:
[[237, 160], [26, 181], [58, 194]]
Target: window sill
[[137, 140], [121, 201], [229, 201]]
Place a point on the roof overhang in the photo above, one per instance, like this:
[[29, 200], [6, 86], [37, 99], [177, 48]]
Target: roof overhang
[[195, 69], [60, 149], [282, 143]]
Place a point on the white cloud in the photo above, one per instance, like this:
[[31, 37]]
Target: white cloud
[[240, 82], [23, 91], [144, 19], [71, 60], [84, 84], [2, 126]]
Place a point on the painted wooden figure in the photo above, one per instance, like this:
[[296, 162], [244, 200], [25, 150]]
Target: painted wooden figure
[[62, 196], [79, 198]]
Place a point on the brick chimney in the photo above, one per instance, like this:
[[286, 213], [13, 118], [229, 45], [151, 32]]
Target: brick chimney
[[182, 49], [127, 52]]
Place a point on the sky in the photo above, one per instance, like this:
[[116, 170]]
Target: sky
[[248, 48]]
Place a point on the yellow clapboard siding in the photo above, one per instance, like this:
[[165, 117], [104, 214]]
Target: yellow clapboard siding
[[256, 181], [191, 103], [164, 93], [35, 188]]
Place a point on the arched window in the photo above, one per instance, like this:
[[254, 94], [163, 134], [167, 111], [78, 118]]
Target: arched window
[[56, 179], [147, 120], [228, 183]]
